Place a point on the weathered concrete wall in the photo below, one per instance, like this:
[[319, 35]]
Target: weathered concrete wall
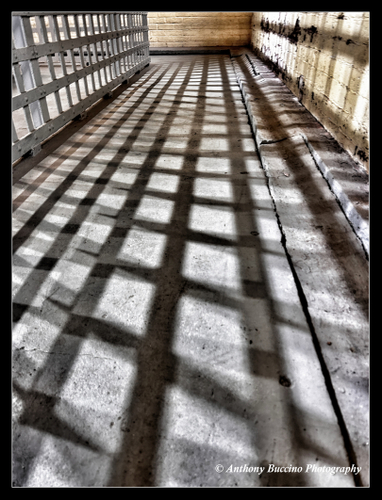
[[192, 29], [323, 57]]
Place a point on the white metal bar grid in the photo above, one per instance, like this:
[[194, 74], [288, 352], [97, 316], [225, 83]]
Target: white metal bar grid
[[63, 62]]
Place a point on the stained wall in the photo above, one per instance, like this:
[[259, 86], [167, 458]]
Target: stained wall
[[323, 57]]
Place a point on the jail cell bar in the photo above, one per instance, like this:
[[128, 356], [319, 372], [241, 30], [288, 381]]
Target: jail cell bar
[[93, 51]]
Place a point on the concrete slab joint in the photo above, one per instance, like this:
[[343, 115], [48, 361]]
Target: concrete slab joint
[[274, 168], [358, 222]]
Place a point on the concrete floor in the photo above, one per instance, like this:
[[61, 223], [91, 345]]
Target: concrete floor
[[179, 311]]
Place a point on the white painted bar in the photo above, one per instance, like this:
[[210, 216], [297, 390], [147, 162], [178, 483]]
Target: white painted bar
[[75, 46]]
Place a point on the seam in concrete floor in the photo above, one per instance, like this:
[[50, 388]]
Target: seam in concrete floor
[[302, 297], [358, 225]]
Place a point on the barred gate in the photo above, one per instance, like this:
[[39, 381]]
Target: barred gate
[[64, 62]]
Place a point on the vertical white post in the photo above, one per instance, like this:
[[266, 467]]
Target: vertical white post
[[26, 70]]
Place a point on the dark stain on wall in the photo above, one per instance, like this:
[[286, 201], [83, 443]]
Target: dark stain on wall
[[310, 31], [297, 86], [264, 25], [300, 86], [293, 37], [363, 156], [281, 28]]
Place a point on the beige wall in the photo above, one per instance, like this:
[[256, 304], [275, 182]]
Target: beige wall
[[192, 29], [321, 56], [330, 51]]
